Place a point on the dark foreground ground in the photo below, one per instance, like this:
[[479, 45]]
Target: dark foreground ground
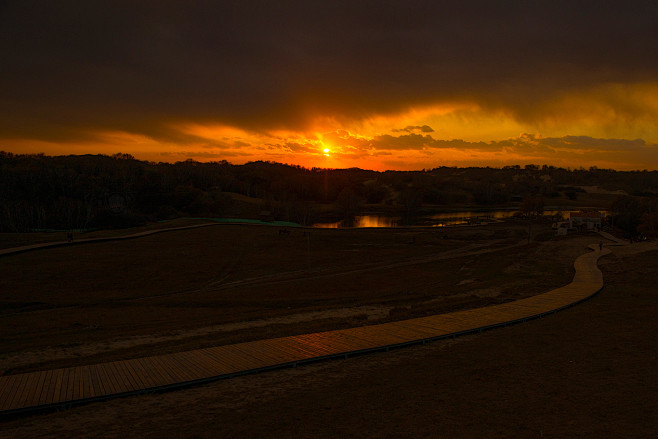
[[188, 289], [586, 372]]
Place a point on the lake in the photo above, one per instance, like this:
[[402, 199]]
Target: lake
[[435, 220]]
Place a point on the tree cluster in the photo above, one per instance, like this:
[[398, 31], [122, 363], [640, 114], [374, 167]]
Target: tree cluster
[[100, 191], [636, 215]]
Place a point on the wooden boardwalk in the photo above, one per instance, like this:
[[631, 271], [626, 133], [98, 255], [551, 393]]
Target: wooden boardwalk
[[51, 389]]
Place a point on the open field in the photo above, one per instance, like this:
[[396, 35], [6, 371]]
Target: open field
[[230, 283], [9, 240], [588, 371]]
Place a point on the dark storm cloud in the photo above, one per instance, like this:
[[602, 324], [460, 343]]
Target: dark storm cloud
[[297, 147], [404, 142], [589, 143], [412, 128], [525, 143], [72, 68], [182, 155]]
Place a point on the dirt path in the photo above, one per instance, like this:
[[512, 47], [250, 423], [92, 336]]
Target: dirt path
[[46, 245]]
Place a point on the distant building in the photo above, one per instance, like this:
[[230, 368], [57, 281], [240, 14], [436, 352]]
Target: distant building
[[586, 220]]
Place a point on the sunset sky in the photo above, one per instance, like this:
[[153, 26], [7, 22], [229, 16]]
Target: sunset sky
[[379, 84]]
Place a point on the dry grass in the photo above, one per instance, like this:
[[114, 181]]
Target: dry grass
[[582, 373], [187, 289], [9, 240]]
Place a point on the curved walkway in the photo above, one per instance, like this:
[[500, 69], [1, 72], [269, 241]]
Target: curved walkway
[[215, 221], [27, 248], [52, 389]]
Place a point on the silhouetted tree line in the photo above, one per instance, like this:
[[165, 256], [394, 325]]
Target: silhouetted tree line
[[636, 215], [100, 191]]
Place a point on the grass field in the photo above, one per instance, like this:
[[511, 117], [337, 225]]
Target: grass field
[[9, 240], [588, 371], [229, 283]]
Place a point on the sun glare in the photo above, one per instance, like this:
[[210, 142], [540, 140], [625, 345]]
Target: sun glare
[[326, 152]]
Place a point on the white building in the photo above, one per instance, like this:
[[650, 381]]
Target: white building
[[586, 220]]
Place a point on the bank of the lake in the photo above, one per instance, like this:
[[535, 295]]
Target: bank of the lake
[[442, 219]]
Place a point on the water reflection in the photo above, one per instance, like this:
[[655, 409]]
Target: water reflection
[[497, 214], [436, 220], [361, 222]]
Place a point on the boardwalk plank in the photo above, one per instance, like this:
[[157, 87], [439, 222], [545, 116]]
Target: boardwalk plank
[[108, 380], [429, 327], [22, 394], [53, 395], [169, 373], [293, 346], [147, 377], [157, 378], [433, 324], [195, 365], [88, 386], [64, 389], [243, 361], [308, 347], [337, 343], [76, 390], [222, 359], [206, 366], [138, 381], [32, 389], [122, 377], [16, 385], [29, 389], [4, 386], [12, 385], [409, 332], [288, 349], [262, 352], [176, 365], [314, 343], [97, 381], [424, 331], [259, 359], [175, 369], [377, 336], [45, 387], [273, 350], [187, 369], [182, 365]]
